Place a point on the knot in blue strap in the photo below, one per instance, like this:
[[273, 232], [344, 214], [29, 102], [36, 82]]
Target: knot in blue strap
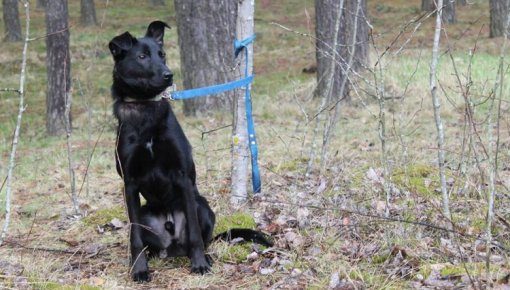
[[239, 45]]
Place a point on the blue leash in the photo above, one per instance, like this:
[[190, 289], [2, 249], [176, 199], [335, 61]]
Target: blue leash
[[216, 89]]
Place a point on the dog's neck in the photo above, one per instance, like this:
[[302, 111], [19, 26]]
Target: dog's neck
[[132, 100], [166, 94]]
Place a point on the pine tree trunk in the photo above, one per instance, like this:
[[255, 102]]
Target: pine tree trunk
[[327, 53], [334, 57], [499, 10], [206, 32], [11, 20], [361, 19], [427, 5], [449, 12], [58, 65], [41, 4], [87, 13]]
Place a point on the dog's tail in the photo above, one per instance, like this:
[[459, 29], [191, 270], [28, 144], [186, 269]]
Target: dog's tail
[[247, 235]]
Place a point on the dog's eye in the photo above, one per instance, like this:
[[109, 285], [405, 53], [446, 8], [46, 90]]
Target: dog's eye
[[142, 56], [162, 54]]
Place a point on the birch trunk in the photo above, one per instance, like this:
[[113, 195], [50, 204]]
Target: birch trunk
[[494, 145], [21, 109], [437, 114], [11, 21], [240, 155]]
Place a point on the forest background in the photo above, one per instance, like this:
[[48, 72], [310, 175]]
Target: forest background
[[368, 213]]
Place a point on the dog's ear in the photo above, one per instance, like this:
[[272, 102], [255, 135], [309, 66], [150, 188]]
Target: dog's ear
[[156, 30], [121, 43]]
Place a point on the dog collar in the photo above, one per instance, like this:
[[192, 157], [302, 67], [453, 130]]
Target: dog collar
[[166, 94]]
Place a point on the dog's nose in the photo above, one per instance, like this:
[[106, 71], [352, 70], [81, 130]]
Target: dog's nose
[[168, 75]]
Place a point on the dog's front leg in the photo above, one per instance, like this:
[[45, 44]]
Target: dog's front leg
[[196, 250], [138, 261]]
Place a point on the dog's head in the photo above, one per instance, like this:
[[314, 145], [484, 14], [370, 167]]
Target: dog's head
[[140, 69]]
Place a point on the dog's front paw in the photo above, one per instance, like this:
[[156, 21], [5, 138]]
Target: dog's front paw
[[142, 276], [140, 270], [201, 267]]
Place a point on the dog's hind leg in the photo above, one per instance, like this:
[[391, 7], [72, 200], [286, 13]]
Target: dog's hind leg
[[138, 262], [196, 248]]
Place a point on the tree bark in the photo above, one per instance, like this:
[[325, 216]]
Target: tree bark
[[499, 10], [41, 4], [240, 154], [15, 138], [206, 32], [428, 5], [436, 103], [87, 13], [11, 21], [449, 16], [328, 52], [58, 66], [360, 19], [333, 55]]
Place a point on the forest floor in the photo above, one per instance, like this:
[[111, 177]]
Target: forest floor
[[332, 227]]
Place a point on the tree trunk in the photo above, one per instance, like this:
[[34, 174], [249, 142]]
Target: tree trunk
[[240, 154], [428, 5], [448, 9], [359, 18], [206, 32], [11, 20], [449, 12], [40, 4], [334, 57], [499, 10], [58, 66], [327, 53], [87, 13]]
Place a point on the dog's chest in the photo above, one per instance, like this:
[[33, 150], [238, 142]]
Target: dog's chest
[[150, 154]]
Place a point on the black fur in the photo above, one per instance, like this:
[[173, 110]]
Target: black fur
[[154, 158]]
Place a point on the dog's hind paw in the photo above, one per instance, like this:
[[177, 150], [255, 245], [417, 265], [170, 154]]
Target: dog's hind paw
[[142, 276]]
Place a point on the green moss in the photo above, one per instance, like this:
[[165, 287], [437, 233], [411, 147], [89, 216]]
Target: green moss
[[425, 271], [236, 220], [103, 216], [379, 259], [291, 165], [234, 253], [475, 269], [413, 178], [55, 286]]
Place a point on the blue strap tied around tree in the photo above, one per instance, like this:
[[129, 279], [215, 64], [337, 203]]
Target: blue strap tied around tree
[[216, 89]]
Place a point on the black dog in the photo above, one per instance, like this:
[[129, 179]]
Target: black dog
[[154, 158]]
